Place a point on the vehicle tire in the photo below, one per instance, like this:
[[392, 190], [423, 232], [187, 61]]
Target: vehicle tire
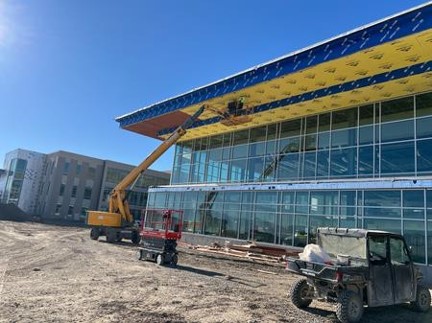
[[160, 259], [423, 299], [135, 238], [94, 233], [111, 235], [350, 307], [299, 292], [174, 260], [139, 254]]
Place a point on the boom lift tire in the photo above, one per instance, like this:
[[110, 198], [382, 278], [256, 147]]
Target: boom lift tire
[[299, 292], [94, 233], [112, 235], [135, 237]]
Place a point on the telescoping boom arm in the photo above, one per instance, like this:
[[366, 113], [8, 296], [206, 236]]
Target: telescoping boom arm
[[117, 199]]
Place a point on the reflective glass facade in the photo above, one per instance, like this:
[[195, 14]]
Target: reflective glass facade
[[291, 217], [367, 167], [14, 181], [384, 139]]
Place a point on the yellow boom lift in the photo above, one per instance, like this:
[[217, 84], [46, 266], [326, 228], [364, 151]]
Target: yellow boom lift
[[118, 222]]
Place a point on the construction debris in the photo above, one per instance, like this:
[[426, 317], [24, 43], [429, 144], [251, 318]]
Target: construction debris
[[252, 251]]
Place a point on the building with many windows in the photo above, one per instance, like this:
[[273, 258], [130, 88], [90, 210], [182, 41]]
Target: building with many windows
[[338, 134], [64, 185], [21, 177]]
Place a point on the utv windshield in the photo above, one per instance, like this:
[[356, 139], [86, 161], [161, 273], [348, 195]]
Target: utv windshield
[[343, 245]]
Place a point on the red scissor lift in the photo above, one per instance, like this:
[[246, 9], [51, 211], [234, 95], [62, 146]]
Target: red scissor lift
[[160, 230]]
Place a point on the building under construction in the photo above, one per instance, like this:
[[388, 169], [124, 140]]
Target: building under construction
[[337, 134]]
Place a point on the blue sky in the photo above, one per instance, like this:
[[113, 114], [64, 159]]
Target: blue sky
[[68, 68]]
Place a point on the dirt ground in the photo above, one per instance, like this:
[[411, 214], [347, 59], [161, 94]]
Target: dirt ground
[[57, 274]]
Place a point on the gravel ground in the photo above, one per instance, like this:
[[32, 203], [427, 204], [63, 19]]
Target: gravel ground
[[57, 274]]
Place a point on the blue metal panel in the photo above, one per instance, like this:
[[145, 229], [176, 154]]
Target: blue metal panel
[[406, 24]]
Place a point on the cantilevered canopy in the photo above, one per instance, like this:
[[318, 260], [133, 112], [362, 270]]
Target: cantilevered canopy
[[380, 61]]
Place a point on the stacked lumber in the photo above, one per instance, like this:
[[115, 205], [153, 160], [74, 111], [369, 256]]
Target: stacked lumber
[[251, 251]]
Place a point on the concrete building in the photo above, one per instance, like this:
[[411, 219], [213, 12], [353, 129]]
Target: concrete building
[[64, 185], [21, 179], [337, 134], [71, 184]]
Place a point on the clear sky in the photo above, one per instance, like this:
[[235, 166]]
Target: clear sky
[[68, 68]]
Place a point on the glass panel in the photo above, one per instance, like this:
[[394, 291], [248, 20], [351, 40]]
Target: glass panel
[[309, 165], [255, 169], [366, 115], [366, 161], [310, 142], [397, 131], [429, 199], [210, 212], [429, 241], [424, 156], [380, 212], [265, 211], [240, 151], [288, 202], [324, 122], [344, 119], [424, 129], [320, 221], [348, 198], [344, 138], [413, 213], [324, 140], [343, 162], [382, 198], [257, 149], [290, 128], [258, 134], [245, 225], [289, 145], [414, 234], [398, 109], [287, 229], [230, 219], [383, 224], [272, 131], [245, 215], [216, 141], [397, 158], [227, 138], [288, 167], [424, 104], [323, 163], [300, 230], [366, 135], [241, 137], [238, 170], [271, 147], [413, 198], [311, 124]]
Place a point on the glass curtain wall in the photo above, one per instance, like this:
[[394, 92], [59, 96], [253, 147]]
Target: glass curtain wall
[[385, 139], [292, 217]]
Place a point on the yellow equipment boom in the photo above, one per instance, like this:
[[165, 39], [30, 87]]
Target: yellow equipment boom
[[117, 223]]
